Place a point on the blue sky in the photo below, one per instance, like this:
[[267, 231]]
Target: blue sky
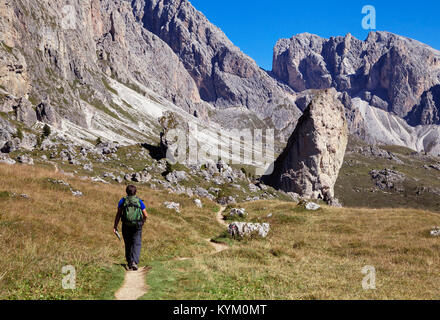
[[255, 26]]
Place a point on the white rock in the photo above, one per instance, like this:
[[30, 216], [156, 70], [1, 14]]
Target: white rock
[[238, 212], [76, 193], [247, 229], [25, 160], [7, 160], [312, 206], [435, 232], [172, 205], [98, 179], [198, 203], [253, 187]]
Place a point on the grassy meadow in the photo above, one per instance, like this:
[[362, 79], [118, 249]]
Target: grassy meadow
[[307, 255]]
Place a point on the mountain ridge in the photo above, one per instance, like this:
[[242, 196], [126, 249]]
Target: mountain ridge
[[170, 53]]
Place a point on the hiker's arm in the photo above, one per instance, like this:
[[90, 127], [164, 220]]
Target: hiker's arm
[[144, 212], [117, 218]]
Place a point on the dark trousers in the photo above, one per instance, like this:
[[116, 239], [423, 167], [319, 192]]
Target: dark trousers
[[133, 242]]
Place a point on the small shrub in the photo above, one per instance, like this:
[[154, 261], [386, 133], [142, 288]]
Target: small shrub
[[46, 131], [277, 252], [39, 141], [98, 141], [169, 168], [5, 194], [298, 245]]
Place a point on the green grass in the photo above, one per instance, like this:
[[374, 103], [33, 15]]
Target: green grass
[[108, 87], [53, 228], [312, 255], [114, 280], [307, 255], [356, 188]]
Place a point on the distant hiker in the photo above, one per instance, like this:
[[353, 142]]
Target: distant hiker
[[132, 212]]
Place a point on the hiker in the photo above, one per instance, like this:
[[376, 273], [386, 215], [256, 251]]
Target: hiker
[[132, 212]]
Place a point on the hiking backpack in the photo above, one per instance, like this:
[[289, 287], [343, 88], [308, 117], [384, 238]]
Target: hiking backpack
[[131, 211]]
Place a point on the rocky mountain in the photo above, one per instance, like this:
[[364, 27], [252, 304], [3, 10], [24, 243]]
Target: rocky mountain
[[428, 110], [310, 163], [84, 83], [66, 66], [224, 75], [109, 69], [388, 71], [376, 126], [394, 75]]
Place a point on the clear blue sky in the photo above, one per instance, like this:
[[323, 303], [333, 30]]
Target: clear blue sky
[[255, 26]]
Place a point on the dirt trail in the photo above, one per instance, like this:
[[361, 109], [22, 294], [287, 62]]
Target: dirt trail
[[219, 217], [219, 247], [134, 285]]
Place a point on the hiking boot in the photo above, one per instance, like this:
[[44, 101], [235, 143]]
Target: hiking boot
[[134, 267]]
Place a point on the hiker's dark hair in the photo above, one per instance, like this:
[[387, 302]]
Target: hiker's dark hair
[[131, 190]]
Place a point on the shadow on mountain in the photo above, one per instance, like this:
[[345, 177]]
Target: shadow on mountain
[[156, 152]]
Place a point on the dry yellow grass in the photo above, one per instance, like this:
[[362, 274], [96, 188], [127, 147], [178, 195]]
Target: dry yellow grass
[[307, 255], [51, 229], [319, 255]]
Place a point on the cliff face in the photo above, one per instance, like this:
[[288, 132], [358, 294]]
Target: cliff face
[[310, 163], [61, 56], [224, 75], [60, 64], [388, 71], [45, 57], [428, 110]]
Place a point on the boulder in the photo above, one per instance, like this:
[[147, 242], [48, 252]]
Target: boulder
[[240, 212], [224, 201], [25, 160], [435, 232], [198, 203], [253, 187], [99, 179], [106, 148], [201, 192], [144, 177], [310, 163], [110, 175], [248, 229], [311, 206], [387, 178], [376, 152], [294, 196], [6, 159], [176, 176], [76, 193], [172, 205]]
